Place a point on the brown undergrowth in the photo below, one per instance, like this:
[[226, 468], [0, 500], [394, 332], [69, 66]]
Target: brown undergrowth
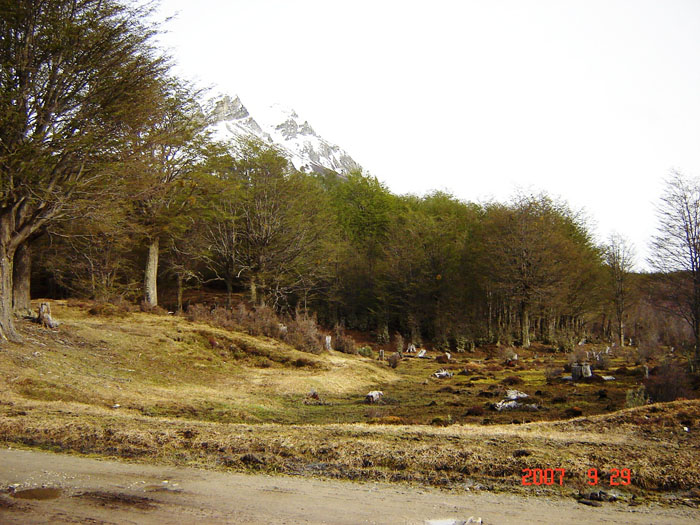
[[646, 440]]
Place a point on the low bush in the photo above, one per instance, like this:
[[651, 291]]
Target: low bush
[[343, 343], [507, 354], [573, 412], [109, 310], [577, 356], [512, 380], [636, 397], [442, 421], [303, 334], [303, 362], [365, 351], [399, 342], [394, 360], [552, 373], [300, 332], [386, 420], [669, 382], [603, 362], [475, 410], [152, 309], [382, 334], [646, 353]]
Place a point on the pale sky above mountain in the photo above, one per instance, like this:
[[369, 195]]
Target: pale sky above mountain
[[593, 101]]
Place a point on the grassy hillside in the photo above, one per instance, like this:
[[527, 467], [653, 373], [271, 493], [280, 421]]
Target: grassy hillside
[[165, 389]]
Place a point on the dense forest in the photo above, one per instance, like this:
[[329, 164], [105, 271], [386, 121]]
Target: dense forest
[[114, 190]]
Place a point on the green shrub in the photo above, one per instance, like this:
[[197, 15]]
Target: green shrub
[[365, 351], [399, 343], [382, 334], [636, 397]]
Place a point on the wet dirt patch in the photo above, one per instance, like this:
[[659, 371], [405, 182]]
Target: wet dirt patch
[[7, 504], [117, 500], [161, 488], [38, 493]]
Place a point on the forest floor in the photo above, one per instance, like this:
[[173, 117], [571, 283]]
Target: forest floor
[[160, 389]]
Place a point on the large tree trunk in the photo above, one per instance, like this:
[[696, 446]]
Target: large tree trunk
[[179, 293], [229, 292], [525, 324], [7, 326], [253, 292], [621, 331], [151, 278], [21, 274]]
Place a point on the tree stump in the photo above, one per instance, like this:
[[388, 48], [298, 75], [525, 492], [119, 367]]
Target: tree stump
[[576, 371], [45, 318]]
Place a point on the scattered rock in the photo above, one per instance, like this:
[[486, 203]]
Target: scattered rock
[[374, 396], [521, 453], [450, 521], [515, 394]]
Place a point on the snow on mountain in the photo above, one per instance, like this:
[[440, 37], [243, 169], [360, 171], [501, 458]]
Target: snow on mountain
[[282, 127]]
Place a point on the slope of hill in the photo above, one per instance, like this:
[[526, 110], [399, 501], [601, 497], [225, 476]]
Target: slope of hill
[[154, 388]]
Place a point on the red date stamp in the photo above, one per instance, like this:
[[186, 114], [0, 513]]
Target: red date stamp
[[552, 476]]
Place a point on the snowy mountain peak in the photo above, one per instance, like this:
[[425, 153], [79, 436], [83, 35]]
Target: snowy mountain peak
[[227, 108], [284, 128]]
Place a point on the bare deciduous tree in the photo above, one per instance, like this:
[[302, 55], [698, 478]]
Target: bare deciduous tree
[[619, 259], [676, 249]]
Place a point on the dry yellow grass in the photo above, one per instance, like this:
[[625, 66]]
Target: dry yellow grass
[[182, 401]]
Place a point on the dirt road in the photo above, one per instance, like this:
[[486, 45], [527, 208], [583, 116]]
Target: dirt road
[[96, 491]]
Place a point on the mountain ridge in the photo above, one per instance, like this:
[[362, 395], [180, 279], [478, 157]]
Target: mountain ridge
[[282, 127]]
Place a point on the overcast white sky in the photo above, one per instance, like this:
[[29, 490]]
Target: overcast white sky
[[592, 101]]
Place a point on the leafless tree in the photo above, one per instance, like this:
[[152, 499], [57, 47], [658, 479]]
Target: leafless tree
[[676, 249], [619, 259]]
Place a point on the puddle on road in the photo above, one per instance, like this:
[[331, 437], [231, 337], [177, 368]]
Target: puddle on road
[[42, 493]]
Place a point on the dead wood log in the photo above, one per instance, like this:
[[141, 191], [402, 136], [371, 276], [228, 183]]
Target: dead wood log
[[44, 318]]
